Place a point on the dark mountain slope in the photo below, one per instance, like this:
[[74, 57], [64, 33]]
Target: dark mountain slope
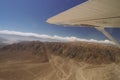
[[33, 51], [92, 53]]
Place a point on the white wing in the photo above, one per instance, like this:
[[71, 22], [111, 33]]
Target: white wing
[[93, 13]]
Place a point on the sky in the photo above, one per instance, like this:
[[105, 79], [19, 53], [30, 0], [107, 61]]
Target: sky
[[23, 18]]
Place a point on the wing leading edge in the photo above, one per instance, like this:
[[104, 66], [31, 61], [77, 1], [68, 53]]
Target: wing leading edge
[[92, 13]]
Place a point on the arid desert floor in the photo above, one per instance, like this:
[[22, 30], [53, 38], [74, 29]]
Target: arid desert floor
[[59, 61]]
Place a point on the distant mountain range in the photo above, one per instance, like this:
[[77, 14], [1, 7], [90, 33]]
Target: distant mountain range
[[2, 42], [81, 51]]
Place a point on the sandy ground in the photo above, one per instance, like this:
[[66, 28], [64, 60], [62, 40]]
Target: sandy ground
[[58, 69], [59, 61], [24, 71]]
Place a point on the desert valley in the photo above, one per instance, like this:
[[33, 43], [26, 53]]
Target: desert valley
[[59, 61]]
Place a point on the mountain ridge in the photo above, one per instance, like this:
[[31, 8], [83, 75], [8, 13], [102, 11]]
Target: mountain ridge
[[92, 53]]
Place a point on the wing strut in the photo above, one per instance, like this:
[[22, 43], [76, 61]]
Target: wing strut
[[109, 36]]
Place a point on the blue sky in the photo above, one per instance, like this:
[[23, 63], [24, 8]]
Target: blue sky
[[29, 16]]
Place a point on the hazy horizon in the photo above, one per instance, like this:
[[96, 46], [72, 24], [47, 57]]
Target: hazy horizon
[[29, 17]]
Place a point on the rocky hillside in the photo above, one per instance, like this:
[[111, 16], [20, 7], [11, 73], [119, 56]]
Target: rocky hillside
[[34, 51], [61, 61], [91, 53]]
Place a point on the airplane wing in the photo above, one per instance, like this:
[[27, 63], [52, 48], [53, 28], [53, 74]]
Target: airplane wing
[[92, 13]]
